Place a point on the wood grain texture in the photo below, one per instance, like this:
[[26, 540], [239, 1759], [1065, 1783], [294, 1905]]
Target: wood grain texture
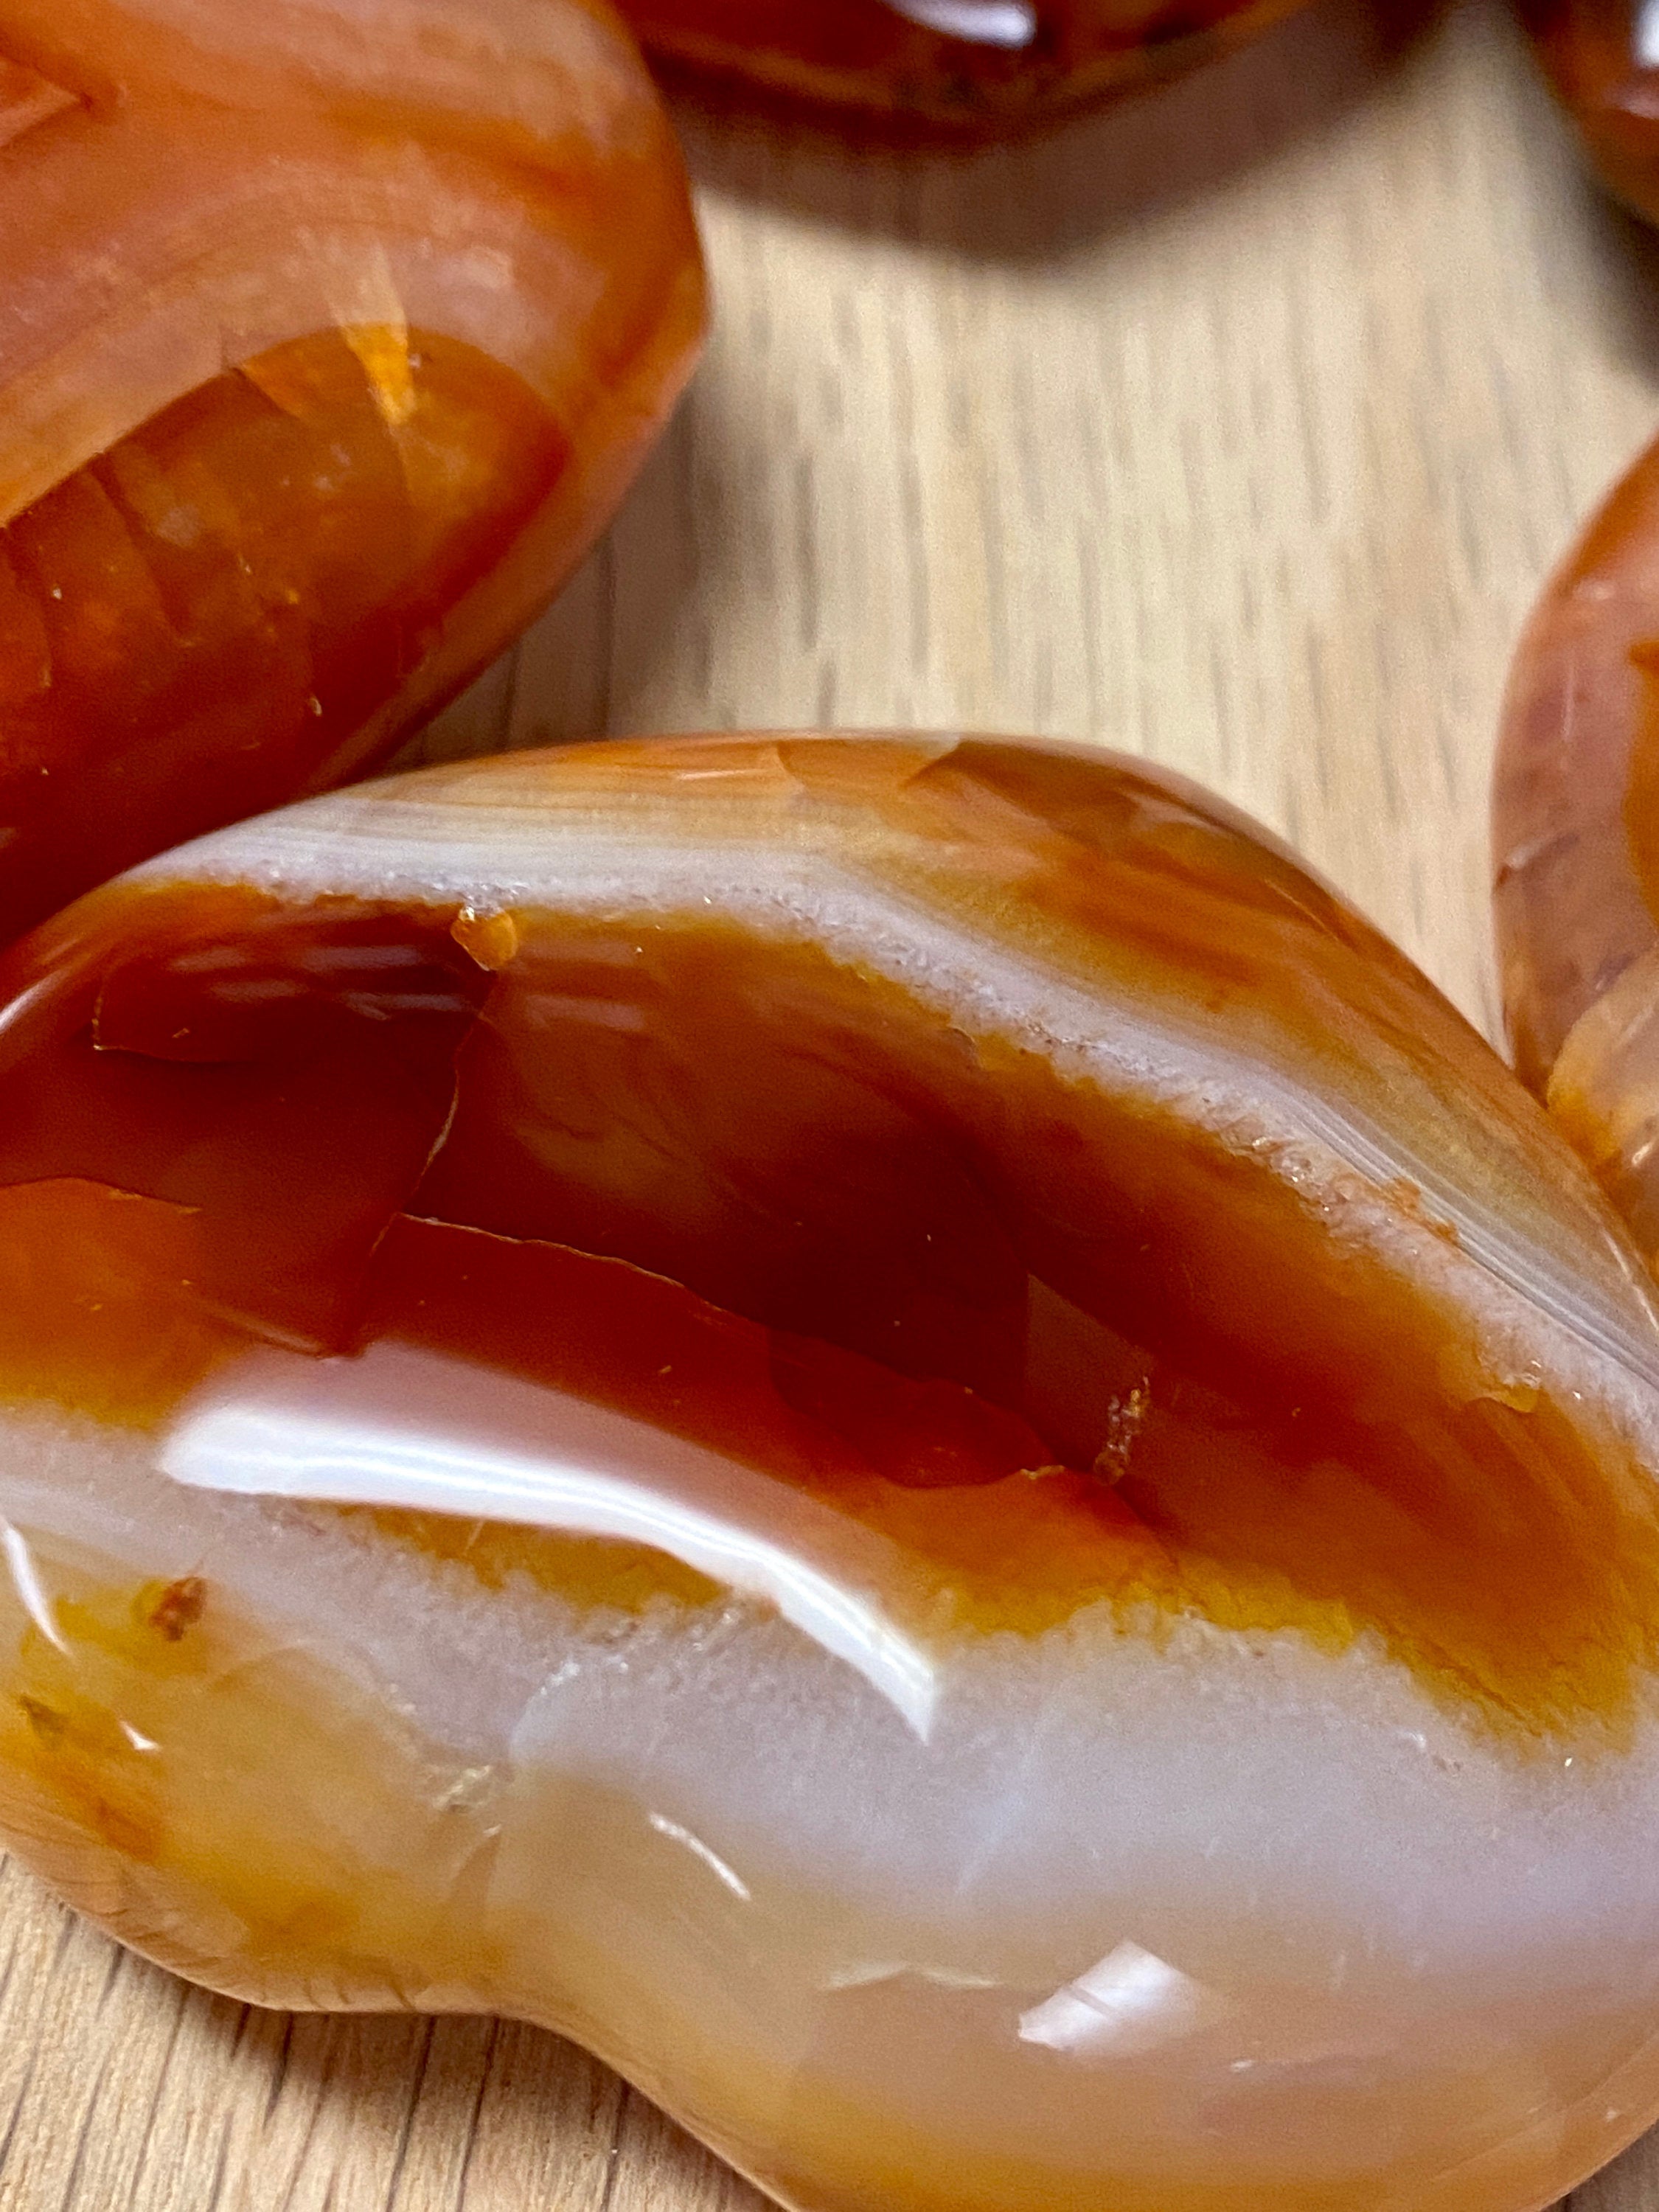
[[1236, 429]]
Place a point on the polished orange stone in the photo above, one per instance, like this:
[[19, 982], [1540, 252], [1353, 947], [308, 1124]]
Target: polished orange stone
[[957, 64], [894, 1425], [1576, 836], [1604, 64], [321, 364]]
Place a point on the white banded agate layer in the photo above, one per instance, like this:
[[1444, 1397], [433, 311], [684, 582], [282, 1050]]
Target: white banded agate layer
[[397, 1427], [972, 1489]]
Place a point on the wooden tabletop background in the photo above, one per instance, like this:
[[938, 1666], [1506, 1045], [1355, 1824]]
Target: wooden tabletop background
[[1236, 429]]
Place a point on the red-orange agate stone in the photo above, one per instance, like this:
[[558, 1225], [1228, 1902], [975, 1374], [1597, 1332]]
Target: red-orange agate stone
[[1576, 835], [330, 336], [955, 64], [895, 1426], [1602, 57]]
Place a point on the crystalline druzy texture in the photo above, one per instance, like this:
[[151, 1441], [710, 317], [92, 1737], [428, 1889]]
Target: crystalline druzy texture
[[330, 335], [968, 64], [894, 1426], [1602, 57], [1576, 839]]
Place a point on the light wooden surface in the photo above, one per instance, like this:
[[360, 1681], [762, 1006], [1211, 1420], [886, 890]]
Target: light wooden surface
[[1237, 429]]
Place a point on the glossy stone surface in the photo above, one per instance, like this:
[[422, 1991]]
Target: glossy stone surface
[[330, 336], [896, 1427], [1603, 61], [955, 64], [1575, 838]]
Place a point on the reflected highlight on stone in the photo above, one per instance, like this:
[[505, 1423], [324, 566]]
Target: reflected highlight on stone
[[327, 348], [956, 64], [1602, 57], [894, 1426]]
